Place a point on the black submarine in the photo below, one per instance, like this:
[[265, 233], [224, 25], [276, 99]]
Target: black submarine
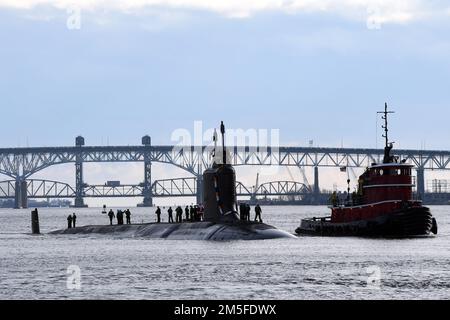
[[220, 222]]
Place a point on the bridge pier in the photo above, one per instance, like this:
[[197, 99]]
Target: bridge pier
[[147, 192], [24, 194], [17, 197], [421, 182], [20, 194], [199, 196], [79, 183], [316, 189]]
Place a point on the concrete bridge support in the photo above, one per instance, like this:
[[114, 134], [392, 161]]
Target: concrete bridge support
[[17, 197], [420, 182], [199, 197], [147, 191], [24, 194], [79, 183], [20, 195], [316, 189]]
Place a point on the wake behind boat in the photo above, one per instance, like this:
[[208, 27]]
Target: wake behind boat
[[383, 205]]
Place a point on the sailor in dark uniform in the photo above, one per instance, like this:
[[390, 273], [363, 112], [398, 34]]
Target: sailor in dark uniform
[[186, 212], [119, 217], [74, 220], [170, 211], [258, 213], [247, 212], [128, 216], [242, 211], [158, 214], [69, 222], [192, 212], [111, 216]]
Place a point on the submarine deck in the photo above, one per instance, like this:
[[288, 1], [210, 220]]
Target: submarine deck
[[186, 231]]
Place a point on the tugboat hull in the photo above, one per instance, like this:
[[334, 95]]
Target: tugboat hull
[[409, 222]]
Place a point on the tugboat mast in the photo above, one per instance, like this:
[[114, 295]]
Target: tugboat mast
[[388, 145], [385, 126]]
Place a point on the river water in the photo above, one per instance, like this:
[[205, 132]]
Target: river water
[[36, 267]]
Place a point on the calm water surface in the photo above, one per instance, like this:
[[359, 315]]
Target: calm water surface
[[35, 267]]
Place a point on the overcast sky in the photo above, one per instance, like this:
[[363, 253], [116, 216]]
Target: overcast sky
[[113, 71]]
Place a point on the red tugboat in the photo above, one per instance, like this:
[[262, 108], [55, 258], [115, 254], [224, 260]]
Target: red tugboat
[[383, 206]]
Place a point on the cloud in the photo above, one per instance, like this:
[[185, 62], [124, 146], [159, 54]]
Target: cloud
[[386, 11]]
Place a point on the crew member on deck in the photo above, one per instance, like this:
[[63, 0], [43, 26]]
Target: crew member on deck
[[111, 216], [258, 213], [186, 212], [128, 216], [158, 215], [170, 211], [192, 212], [74, 220], [119, 217], [196, 213], [179, 217], [242, 211], [247, 212], [69, 222]]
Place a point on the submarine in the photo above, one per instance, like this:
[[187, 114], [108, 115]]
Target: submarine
[[220, 221]]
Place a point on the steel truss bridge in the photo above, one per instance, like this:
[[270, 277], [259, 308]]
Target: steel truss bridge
[[21, 164], [180, 187]]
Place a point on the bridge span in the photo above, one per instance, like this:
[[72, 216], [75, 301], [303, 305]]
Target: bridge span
[[21, 164], [179, 187]]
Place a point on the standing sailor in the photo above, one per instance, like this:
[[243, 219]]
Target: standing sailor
[[192, 212], [74, 220], [247, 212], [186, 212], [170, 211], [128, 216], [119, 217], [69, 222], [242, 211], [111, 216], [258, 213], [179, 214], [158, 214]]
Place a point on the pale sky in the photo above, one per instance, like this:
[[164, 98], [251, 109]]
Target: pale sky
[[113, 71]]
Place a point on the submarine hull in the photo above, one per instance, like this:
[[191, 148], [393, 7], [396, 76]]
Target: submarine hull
[[186, 231]]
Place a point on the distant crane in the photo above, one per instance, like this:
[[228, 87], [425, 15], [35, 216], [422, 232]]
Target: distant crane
[[305, 179], [303, 173], [255, 189]]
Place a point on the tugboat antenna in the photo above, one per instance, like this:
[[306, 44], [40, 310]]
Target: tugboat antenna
[[222, 130], [385, 126]]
